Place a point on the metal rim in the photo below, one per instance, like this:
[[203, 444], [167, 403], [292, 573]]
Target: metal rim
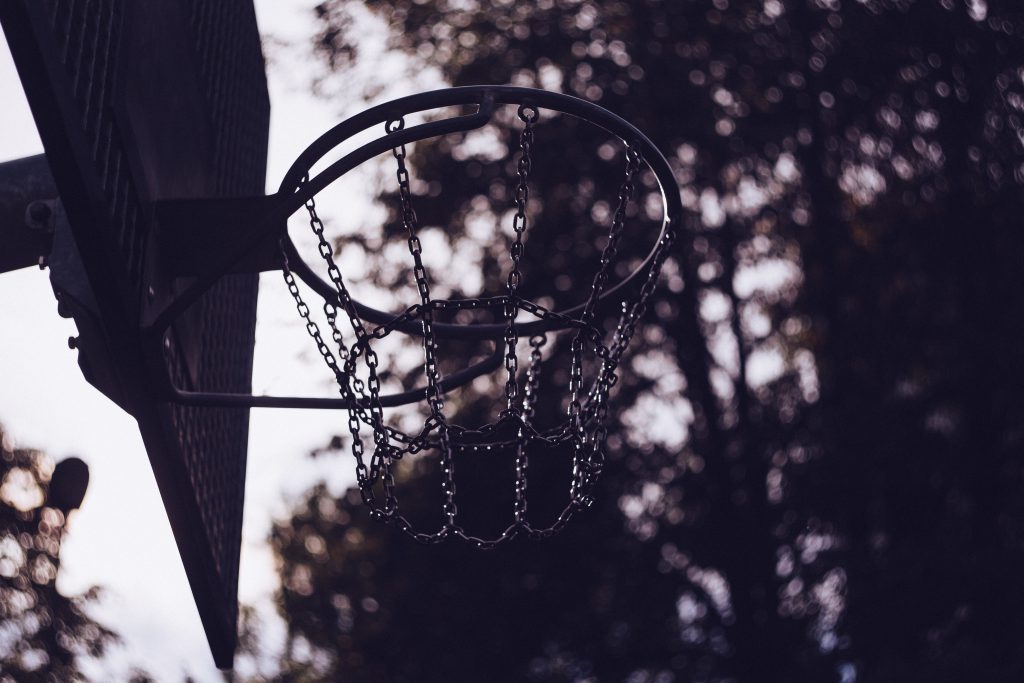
[[485, 97]]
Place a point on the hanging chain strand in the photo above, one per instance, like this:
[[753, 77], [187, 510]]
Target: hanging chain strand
[[528, 115], [532, 387], [380, 457], [627, 193], [522, 463], [593, 461], [434, 398], [583, 454], [364, 478]]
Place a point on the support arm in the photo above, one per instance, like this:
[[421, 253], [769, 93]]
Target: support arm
[[28, 205]]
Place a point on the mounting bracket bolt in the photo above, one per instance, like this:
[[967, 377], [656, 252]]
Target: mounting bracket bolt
[[40, 215]]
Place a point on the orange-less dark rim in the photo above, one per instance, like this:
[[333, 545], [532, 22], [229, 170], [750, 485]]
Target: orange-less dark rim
[[267, 224]]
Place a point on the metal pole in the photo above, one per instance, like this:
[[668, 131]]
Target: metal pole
[[28, 208]]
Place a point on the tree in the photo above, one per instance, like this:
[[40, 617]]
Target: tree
[[845, 499], [45, 633]]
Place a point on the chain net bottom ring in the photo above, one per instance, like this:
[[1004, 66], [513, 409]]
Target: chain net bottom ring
[[582, 433]]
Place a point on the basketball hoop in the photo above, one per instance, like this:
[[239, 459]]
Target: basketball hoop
[[582, 430]]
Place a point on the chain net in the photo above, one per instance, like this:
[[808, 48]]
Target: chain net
[[584, 428]]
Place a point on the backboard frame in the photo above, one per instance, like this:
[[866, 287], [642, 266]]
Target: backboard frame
[[116, 141]]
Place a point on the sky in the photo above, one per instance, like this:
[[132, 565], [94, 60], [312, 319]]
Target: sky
[[45, 403]]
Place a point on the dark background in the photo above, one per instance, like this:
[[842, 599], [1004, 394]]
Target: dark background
[[855, 514], [816, 459]]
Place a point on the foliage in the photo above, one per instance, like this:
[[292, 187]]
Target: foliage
[[44, 635], [836, 347]]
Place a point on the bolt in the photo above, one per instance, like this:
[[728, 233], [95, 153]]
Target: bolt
[[62, 306], [43, 262], [72, 342], [39, 215], [39, 211]]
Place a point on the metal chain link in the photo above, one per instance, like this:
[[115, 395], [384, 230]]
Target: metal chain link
[[522, 463], [434, 398], [582, 456], [532, 388], [353, 386], [586, 429], [363, 475], [528, 115]]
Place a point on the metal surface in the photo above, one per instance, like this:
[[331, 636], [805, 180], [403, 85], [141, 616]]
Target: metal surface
[[27, 195], [263, 219], [242, 235], [138, 102], [486, 98]]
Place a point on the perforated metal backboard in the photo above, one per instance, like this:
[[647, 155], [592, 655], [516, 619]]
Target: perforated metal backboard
[[138, 101]]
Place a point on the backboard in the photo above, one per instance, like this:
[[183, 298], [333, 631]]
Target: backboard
[[137, 102]]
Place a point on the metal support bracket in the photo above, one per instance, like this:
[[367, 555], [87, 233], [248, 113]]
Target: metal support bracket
[[34, 230], [97, 351], [198, 241], [28, 211]]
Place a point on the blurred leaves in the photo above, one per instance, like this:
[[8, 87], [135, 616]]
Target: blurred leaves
[[819, 471], [44, 635]]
